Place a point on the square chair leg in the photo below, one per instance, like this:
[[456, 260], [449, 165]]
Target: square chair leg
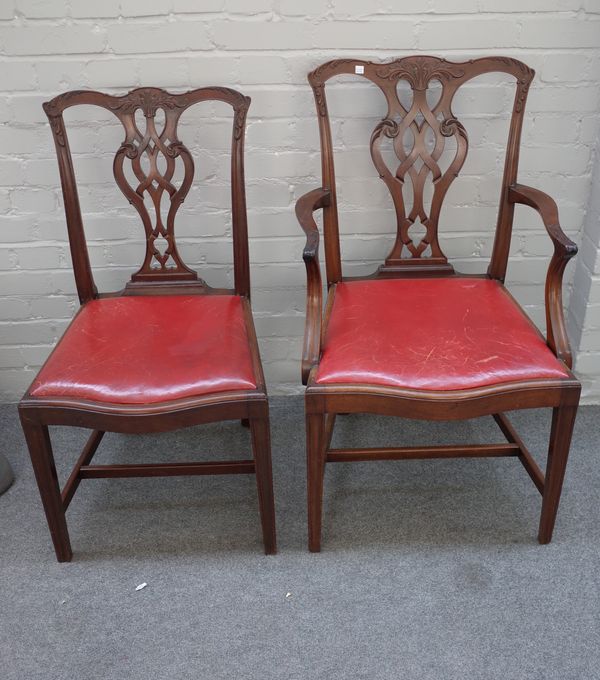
[[42, 459], [261, 447], [315, 459], [563, 420]]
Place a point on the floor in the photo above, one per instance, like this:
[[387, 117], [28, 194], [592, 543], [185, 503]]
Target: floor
[[429, 570]]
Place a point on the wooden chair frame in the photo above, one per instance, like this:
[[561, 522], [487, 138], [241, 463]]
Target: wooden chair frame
[[162, 273], [407, 259]]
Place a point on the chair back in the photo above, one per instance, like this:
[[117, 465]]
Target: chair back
[[416, 134], [144, 167]]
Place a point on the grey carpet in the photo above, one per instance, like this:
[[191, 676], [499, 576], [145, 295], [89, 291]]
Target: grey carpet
[[429, 569]]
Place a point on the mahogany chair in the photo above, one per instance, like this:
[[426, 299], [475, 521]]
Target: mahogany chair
[[417, 339], [168, 351]]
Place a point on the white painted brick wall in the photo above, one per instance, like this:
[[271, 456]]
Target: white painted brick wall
[[265, 48], [584, 311]]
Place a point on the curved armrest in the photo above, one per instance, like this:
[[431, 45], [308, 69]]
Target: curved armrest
[[564, 250], [305, 207]]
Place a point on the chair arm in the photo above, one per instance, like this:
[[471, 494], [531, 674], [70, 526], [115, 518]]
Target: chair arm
[[305, 207], [564, 250]]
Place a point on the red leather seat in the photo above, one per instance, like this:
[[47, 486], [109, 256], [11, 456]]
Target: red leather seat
[[431, 334], [148, 349]]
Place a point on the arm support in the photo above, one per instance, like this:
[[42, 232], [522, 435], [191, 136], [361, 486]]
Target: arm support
[[305, 207], [564, 250]]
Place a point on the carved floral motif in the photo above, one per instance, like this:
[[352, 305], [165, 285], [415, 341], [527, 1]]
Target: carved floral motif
[[419, 72], [149, 100], [317, 75], [523, 81], [58, 128], [239, 119]]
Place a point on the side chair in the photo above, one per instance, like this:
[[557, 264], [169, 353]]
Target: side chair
[[417, 339], [168, 351]]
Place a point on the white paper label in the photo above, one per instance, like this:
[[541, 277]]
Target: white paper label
[[360, 69]]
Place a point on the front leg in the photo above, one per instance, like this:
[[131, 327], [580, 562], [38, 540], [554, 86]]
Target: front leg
[[42, 459], [563, 420]]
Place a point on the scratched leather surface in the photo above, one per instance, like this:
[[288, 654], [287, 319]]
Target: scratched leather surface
[[148, 349], [431, 334]]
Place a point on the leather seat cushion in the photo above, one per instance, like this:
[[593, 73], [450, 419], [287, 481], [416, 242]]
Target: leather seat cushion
[[149, 349], [432, 334]]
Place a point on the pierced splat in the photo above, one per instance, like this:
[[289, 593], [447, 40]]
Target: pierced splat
[[418, 130], [156, 145], [418, 164], [144, 167]]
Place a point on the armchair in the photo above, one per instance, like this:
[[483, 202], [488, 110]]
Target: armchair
[[417, 339]]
